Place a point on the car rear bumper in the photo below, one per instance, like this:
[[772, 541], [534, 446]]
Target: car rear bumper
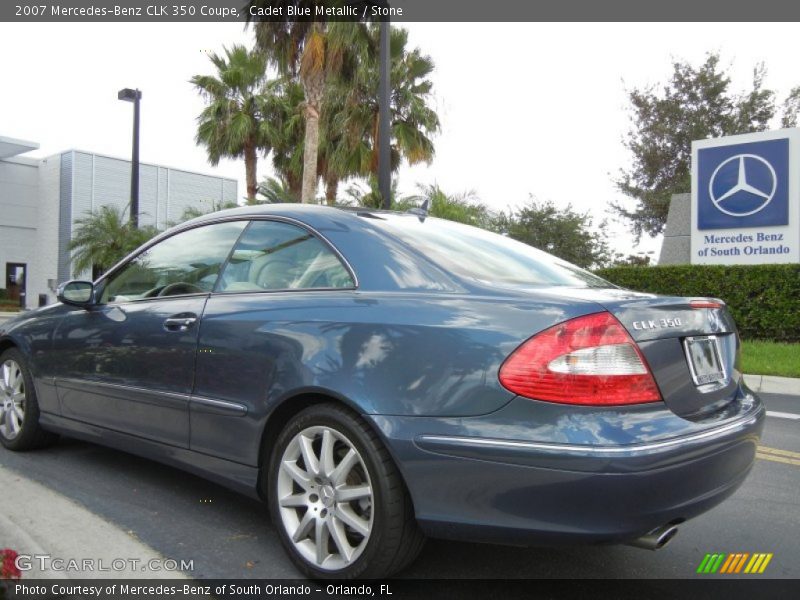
[[568, 481]]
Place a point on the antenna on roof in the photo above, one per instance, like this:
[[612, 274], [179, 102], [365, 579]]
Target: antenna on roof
[[420, 211]]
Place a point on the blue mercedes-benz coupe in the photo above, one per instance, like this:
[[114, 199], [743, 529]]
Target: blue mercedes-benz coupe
[[379, 377]]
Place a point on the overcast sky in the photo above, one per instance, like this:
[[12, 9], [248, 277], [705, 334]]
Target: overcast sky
[[526, 108]]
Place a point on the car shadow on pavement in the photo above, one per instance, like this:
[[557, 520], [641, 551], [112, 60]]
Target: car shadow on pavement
[[228, 535]]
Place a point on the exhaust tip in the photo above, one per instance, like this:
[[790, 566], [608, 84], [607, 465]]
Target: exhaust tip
[[656, 539]]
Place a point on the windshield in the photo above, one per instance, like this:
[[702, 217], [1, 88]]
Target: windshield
[[485, 256]]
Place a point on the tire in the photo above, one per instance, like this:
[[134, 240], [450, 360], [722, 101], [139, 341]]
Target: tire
[[354, 503], [19, 409]]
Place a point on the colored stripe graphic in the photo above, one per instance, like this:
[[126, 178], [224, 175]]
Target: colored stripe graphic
[[738, 558], [753, 564], [765, 563], [741, 562], [759, 563], [714, 566], [720, 562], [703, 563], [727, 567]]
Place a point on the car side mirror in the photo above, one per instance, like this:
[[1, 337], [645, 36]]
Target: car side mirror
[[76, 293]]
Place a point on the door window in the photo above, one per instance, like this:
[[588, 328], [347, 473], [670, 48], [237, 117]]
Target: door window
[[273, 255], [185, 263]]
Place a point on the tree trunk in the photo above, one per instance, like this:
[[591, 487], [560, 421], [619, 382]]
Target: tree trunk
[[331, 188], [313, 88], [295, 183], [250, 160], [310, 151]]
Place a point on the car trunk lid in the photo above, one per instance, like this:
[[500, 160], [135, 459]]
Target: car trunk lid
[[691, 345]]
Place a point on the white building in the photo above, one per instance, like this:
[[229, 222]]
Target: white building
[[41, 199]]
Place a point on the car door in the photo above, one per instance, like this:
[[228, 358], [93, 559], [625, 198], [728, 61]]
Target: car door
[[279, 274], [128, 362]]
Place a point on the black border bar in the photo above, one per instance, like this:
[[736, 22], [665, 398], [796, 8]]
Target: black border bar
[[406, 10]]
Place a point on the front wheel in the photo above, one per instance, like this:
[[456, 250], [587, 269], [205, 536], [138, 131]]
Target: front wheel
[[340, 506], [19, 409]]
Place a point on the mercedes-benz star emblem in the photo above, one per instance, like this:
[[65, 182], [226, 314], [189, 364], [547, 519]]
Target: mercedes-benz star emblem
[[742, 185]]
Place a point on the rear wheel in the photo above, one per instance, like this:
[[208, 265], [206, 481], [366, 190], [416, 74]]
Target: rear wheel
[[19, 410], [337, 499]]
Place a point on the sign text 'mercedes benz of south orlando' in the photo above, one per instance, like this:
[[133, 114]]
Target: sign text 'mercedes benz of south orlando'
[[746, 199]]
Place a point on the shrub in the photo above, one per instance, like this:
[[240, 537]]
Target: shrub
[[764, 299]]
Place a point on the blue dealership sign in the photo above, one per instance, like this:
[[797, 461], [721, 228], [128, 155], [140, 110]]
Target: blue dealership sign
[[745, 206], [743, 185]]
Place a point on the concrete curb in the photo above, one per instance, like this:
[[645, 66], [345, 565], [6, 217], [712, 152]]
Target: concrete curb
[[771, 384], [35, 520], [5, 316]]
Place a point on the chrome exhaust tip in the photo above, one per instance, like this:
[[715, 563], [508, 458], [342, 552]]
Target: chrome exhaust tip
[[656, 539]]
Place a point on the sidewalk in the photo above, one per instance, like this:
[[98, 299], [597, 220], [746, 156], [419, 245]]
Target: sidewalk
[[38, 521], [5, 316], [771, 384]]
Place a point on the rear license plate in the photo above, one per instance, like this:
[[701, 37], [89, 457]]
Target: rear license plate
[[704, 359]]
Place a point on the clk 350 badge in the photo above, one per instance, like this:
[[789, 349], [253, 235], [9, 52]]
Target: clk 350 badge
[[657, 324]]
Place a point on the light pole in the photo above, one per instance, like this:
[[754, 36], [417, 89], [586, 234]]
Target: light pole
[[129, 95], [384, 86], [384, 134]]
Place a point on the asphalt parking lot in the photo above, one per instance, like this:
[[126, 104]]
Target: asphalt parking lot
[[227, 535]]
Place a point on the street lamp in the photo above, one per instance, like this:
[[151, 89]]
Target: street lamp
[[384, 135], [129, 95], [384, 123]]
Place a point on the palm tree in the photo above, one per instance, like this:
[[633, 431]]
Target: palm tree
[[464, 207], [233, 124], [276, 191], [315, 52], [284, 105], [353, 127], [367, 194], [104, 237], [192, 212]]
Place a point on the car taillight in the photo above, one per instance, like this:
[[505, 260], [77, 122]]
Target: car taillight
[[706, 303], [587, 360]]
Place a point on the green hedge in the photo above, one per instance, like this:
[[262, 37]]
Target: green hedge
[[764, 299]]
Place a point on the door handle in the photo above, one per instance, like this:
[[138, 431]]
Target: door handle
[[180, 322]]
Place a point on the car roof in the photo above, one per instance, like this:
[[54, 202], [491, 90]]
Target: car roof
[[352, 232], [289, 210]]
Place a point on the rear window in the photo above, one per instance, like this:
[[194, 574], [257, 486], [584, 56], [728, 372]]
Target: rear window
[[488, 257]]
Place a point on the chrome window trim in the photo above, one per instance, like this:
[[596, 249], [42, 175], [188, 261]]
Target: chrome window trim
[[348, 267], [157, 240], [249, 220], [154, 298], [280, 291]]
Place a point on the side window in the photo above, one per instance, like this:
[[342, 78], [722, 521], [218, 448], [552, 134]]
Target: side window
[[186, 263], [272, 255]]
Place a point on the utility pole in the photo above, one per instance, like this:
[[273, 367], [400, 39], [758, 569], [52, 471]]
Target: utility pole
[[129, 95], [384, 124]]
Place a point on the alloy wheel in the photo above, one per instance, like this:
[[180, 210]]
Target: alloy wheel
[[12, 399], [325, 498]]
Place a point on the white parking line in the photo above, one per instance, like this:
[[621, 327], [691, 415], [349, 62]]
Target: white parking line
[[783, 415]]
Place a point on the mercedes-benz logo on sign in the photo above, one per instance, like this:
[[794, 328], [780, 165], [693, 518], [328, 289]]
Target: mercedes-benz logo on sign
[[742, 185]]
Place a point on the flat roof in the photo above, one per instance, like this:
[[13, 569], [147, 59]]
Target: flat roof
[[145, 163], [12, 147]]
